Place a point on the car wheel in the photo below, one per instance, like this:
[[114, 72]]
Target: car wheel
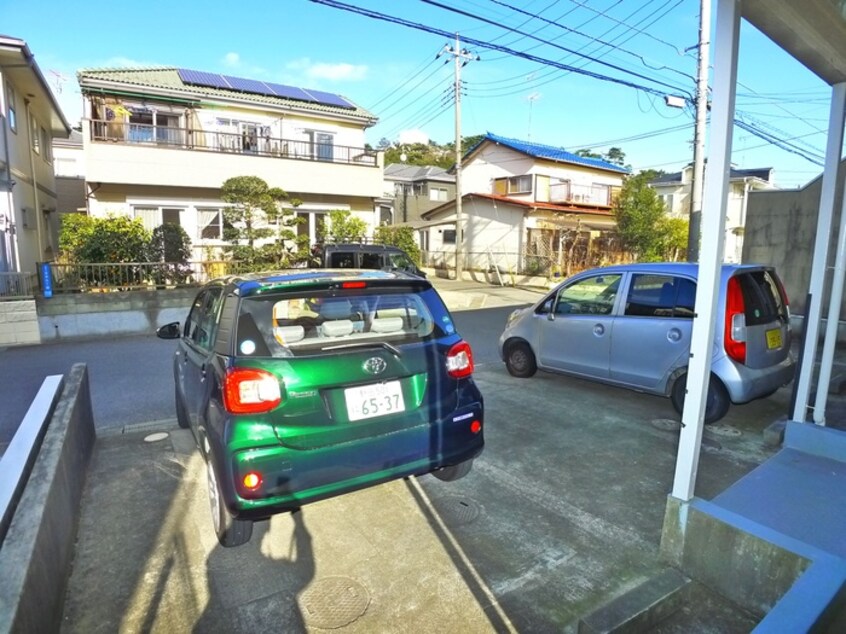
[[520, 360], [453, 472], [181, 415], [230, 532], [717, 401]]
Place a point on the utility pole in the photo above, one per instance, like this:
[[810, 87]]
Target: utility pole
[[697, 184], [461, 58]]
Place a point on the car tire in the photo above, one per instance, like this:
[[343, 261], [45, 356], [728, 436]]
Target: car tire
[[230, 531], [520, 360], [181, 415], [717, 401], [453, 472]]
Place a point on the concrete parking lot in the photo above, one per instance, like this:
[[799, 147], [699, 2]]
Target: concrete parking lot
[[561, 513]]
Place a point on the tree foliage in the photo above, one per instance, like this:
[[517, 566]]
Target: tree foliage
[[614, 155], [85, 239], [426, 153], [343, 227], [643, 225], [402, 237], [260, 230]]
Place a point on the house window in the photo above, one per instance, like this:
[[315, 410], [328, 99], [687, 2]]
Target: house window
[[513, 185], [438, 194], [322, 146], [210, 224], [559, 190], [147, 126], [449, 236], [149, 216], [668, 202], [600, 194], [171, 216], [33, 133], [45, 143], [11, 108]]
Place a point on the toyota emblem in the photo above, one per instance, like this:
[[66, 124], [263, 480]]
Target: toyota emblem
[[375, 365]]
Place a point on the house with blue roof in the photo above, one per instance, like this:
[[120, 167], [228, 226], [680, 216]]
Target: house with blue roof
[[531, 206]]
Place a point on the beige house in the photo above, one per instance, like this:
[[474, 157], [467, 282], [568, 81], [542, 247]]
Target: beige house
[[160, 142], [675, 190], [31, 120], [529, 208]]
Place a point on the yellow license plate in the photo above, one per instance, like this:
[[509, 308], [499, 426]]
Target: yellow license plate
[[774, 339]]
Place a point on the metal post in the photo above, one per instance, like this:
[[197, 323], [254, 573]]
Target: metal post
[[713, 241], [820, 255], [459, 229]]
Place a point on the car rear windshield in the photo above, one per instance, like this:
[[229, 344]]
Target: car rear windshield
[[295, 324], [762, 299]]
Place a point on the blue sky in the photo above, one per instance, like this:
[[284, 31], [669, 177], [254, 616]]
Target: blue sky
[[392, 69]]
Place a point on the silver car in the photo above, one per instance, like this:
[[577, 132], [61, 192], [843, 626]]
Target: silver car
[[630, 326]]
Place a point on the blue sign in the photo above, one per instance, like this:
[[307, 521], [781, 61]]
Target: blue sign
[[46, 279]]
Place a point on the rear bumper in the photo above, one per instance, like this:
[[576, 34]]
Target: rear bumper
[[292, 478], [745, 384]]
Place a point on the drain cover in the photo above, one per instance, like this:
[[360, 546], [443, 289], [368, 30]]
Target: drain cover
[[665, 424], [723, 430], [458, 510], [333, 602], [159, 435]]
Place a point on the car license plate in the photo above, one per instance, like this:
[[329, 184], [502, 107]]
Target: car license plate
[[774, 339], [377, 399]]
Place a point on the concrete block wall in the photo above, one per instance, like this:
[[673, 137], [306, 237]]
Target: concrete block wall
[[19, 322], [78, 315]]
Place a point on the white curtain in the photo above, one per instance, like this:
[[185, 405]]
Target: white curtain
[[150, 216], [206, 217]]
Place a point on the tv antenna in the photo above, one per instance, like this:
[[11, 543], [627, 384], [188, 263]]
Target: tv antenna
[[58, 80]]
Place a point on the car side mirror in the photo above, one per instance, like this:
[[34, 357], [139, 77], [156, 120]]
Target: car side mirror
[[169, 331]]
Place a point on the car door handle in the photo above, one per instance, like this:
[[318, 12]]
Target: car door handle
[[598, 330]]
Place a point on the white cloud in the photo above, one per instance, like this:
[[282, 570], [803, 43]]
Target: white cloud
[[341, 71], [413, 136], [232, 60]]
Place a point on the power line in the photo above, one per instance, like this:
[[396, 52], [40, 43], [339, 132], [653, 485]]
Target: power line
[[487, 45]]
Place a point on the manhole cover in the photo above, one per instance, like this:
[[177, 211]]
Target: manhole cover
[[458, 510], [723, 430], [665, 424], [333, 602], [159, 435]]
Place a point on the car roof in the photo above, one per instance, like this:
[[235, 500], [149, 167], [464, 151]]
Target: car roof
[[345, 246], [251, 283], [690, 269]]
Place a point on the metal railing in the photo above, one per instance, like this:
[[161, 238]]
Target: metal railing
[[129, 276], [228, 142], [17, 285]]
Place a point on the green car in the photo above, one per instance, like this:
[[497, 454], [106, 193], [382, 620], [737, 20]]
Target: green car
[[303, 385]]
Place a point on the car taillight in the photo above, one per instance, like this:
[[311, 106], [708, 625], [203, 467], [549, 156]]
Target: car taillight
[[735, 329], [459, 360], [250, 391]]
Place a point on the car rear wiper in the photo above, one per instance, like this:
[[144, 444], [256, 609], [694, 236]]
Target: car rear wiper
[[367, 344]]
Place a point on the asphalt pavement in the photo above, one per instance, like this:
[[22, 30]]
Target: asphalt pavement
[[561, 513]]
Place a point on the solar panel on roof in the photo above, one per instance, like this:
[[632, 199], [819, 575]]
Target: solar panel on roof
[[290, 92], [330, 99], [201, 78], [247, 85]]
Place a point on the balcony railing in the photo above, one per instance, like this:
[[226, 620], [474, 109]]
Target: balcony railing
[[147, 135]]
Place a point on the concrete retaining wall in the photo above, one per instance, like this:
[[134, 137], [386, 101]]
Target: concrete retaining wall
[[78, 315], [36, 554]]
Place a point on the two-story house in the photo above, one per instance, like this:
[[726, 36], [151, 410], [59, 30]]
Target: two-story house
[[160, 142], [415, 189], [31, 119], [530, 207], [675, 190]]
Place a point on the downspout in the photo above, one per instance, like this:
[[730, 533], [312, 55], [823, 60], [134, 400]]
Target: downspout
[[36, 202], [11, 202], [742, 223]]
